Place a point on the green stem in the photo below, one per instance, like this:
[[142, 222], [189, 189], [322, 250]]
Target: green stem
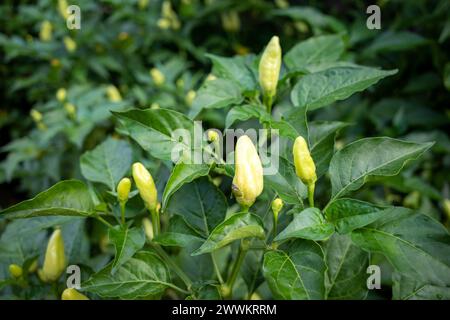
[[216, 268], [180, 273], [275, 227], [122, 211], [155, 222], [237, 266], [268, 100], [177, 288], [311, 187]]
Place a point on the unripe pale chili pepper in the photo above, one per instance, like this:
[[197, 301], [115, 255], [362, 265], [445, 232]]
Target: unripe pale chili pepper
[[190, 96], [45, 34], [248, 176], [61, 94], [304, 166], [113, 94], [72, 294], [157, 76], [62, 8], [123, 189], [148, 228], [15, 270], [269, 68], [70, 44], [145, 185], [55, 259], [70, 109], [277, 205]]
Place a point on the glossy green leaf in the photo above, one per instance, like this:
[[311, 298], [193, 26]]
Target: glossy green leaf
[[126, 241], [214, 94], [159, 131], [245, 112], [181, 174], [141, 276], [405, 288], [370, 157], [107, 163], [315, 50], [346, 273], [307, 224], [351, 214], [238, 226], [179, 234], [66, 198], [297, 273], [320, 89], [414, 244], [202, 205]]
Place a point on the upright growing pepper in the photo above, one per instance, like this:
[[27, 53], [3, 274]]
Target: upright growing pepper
[[304, 166], [248, 176], [269, 70]]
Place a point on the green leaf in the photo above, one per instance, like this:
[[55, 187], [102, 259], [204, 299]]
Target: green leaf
[[215, 94], [126, 241], [202, 205], [405, 288], [320, 89], [182, 173], [107, 163], [66, 198], [395, 41], [238, 226], [347, 265], [315, 50], [179, 234], [286, 183], [236, 69], [321, 137], [355, 163], [415, 245], [141, 276], [156, 131], [307, 224], [296, 274], [351, 214], [245, 112]]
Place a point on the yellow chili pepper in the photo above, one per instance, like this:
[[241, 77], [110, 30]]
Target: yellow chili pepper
[[15, 270], [55, 259], [72, 294], [113, 94], [248, 177], [123, 189], [304, 166], [157, 76], [45, 34], [145, 185], [269, 67], [61, 94]]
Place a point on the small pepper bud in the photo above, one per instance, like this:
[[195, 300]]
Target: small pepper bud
[[277, 205], [70, 109], [145, 185], [70, 44], [36, 115], [148, 228], [72, 294], [213, 135], [45, 34], [113, 94], [248, 177], [446, 206], [123, 189], [269, 67], [61, 94], [62, 8], [230, 21], [304, 163], [15, 270], [157, 76], [211, 77], [55, 260], [190, 96]]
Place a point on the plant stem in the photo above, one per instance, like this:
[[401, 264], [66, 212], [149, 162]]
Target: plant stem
[[155, 222], [311, 187], [237, 266], [122, 211], [275, 227], [177, 288], [180, 273], [268, 100], [216, 268]]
